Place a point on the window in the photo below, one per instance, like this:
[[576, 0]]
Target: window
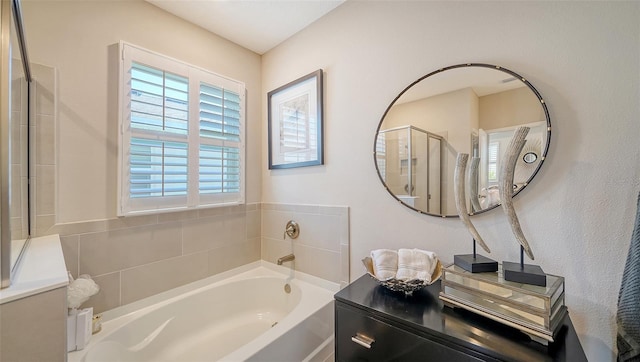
[[181, 143], [381, 155], [494, 149]]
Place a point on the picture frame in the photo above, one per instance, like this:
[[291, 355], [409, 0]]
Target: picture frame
[[295, 123]]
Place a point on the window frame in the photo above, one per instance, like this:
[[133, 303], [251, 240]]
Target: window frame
[[126, 205]]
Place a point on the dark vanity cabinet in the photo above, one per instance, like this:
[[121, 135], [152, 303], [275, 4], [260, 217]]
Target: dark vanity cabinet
[[376, 324]]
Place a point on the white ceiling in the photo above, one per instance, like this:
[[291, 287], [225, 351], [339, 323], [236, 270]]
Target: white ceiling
[[483, 81], [258, 25]]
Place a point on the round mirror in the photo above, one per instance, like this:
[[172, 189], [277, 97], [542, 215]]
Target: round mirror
[[465, 108]]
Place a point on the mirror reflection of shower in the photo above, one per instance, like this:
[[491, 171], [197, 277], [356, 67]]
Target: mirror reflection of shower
[[409, 160]]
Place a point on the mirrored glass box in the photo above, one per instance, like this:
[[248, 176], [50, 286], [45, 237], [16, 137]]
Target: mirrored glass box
[[535, 310]]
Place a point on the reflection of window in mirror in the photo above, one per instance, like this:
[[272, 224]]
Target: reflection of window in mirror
[[492, 168], [381, 157]]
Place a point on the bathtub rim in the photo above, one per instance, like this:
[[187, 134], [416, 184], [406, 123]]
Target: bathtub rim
[[117, 317]]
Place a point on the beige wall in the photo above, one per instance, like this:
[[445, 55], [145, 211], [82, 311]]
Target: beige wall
[[371, 51], [509, 108], [77, 38]]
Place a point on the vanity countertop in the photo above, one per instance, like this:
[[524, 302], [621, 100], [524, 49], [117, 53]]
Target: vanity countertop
[[41, 269], [423, 313]]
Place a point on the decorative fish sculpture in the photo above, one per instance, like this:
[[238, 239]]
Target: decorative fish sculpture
[[505, 185], [461, 200]]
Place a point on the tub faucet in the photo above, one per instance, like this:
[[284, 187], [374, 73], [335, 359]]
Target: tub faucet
[[289, 257]]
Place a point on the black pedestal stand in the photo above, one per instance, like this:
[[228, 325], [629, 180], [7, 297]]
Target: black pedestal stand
[[524, 273], [475, 263]]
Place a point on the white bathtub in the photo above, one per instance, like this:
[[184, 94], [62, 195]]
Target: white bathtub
[[242, 315]]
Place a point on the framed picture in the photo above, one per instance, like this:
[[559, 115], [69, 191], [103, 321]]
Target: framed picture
[[295, 123]]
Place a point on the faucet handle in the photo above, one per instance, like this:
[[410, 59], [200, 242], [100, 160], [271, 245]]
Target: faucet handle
[[292, 229]]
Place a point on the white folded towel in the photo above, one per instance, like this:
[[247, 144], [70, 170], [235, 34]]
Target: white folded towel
[[385, 263], [416, 264]]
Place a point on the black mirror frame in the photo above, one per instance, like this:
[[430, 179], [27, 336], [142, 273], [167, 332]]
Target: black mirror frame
[[465, 65]]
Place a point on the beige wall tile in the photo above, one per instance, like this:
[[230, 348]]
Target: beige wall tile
[[235, 228], [16, 191], [344, 231], [16, 88], [344, 262], [212, 211], [272, 249], [80, 227], [322, 245], [150, 279], [34, 328], [24, 156], [45, 190], [319, 231], [232, 256], [307, 209], [17, 231], [70, 250], [45, 140], [152, 257], [274, 222], [235, 209], [319, 262], [109, 295], [93, 226], [16, 138], [106, 252], [334, 210], [131, 221], [202, 234], [253, 250], [253, 224], [177, 216], [43, 223], [44, 91], [268, 206]]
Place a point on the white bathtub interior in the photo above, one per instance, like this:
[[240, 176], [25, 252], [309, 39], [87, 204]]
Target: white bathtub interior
[[241, 315]]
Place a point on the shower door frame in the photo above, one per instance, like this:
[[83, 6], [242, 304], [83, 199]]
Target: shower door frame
[[429, 135]]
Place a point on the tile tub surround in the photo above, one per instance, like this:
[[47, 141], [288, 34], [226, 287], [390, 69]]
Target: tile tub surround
[[321, 249], [43, 147], [135, 257]]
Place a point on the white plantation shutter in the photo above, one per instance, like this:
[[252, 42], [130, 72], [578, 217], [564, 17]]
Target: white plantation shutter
[[219, 170], [181, 141], [219, 113], [159, 100], [492, 168], [381, 155], [158, 168]]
